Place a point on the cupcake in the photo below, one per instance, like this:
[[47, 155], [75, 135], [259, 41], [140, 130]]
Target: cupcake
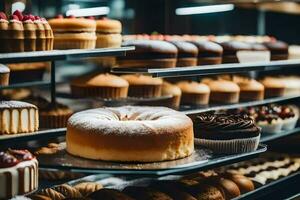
[[3, 33], [228, 134], [48, 34], [105, 86], [288, 115], [269, 121], [222, 91], [15, 35], [194, 93], [174, 91], [250, 89], [187, 54], [274, 87], [231, 48], [143, 86], [40, 34], [209, 53], [29, 33], [4, 75]]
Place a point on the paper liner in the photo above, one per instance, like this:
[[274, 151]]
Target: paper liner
[[74, 44], [144, 91], [195, 99], [230, 146], [289, 124], [271, 128], [102, 92], [224, 97]]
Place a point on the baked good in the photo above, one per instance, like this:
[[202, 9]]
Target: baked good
[[54, 116], [229, 189], [18, 173], [109, 194], [274, 87], [40, 34], [230, 49], [48, 34], [269, 121], [106, 86], [250, 89], [292, 85], [73, 33], [187, 54], [18, 117], [222, 91], [145, 193], [108, 33], [143, 86], [14, 35], [225, 133], [289, 116], [4, 75], [174, 91], [67, 191], [245, 184], [130, 133], [209, 53], [3, 32], [279, 50], [51, 193], [150, 54], [39, 197], [15, 94], [87, 188], [29, 33], [194, 92], [207, 192]]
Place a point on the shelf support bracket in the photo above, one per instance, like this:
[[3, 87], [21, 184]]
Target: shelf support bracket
[[53, 83]]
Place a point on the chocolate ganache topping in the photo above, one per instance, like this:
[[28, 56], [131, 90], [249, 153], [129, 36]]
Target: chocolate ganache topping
[[224, 127]]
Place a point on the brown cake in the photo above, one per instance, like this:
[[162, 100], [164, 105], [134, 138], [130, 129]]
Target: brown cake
[[250, 89], [106, 86], [194, 92], [15, 35], [209, 53], [187, 54], [40, 34], [143, 86], [279, 50], [222, 91], [29, 34], [4, 75], [274, 87], [231, 48], [169, 89]]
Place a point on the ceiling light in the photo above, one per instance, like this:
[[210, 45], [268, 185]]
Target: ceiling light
[[204, 9], [83, 12]]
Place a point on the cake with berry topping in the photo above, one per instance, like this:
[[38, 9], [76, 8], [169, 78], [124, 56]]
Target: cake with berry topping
[[18, 173], [29, 33], [15, 34]]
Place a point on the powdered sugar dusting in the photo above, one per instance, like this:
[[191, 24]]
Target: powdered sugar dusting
[[15, 104]]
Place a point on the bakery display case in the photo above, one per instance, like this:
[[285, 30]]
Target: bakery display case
[[146, 108]]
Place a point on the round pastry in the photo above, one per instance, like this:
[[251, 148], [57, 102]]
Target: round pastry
[[54, 116], [209, 53], [87, 188], [73, 33], [245, 184], [222, 91], [106, 86], [274, 87], [228, 187], [145, 193], [150, 54], [225, 133], [108, 33], [187, 54], [250, 89], [231, 48], [143, 134], [143, 86], [4, 75], [18, 173], [194, 92], [174, 91], [67, 191], [109, 194], [279, 50], [51, 193], [29, 34], [18, 117], [207, 192]]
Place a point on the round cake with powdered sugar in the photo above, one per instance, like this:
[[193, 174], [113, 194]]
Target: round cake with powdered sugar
[[130, 133]]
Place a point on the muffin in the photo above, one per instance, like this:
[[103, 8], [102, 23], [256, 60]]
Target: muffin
[[289, 116], [187, 54], [268, 120], [209, 53], [279, 50], [143, 86], [108, 33], [149, 54], [222, 91], [73, 33], [105, 86], [230, 49], [224, 133], [4, 75], [27, 72], [274, 87], [194, 93], [250, 89], [169, 89], [54, 116]]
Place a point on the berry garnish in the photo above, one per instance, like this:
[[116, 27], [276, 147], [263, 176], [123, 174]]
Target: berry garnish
[[21, 154], [71, 16], [7, 160], [37, 17], [19, 14], [91, 17], [3, 15], [14, 17], [26, 17], [60, 16]]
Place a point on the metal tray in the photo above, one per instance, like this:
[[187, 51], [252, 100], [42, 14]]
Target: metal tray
[[201, 159]]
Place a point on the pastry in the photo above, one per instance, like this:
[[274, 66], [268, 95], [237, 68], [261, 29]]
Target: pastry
[[40, 34], [73, 33], [30, 36], [51, 193], [225, 133], [108, 33], [106, 86], [231, 48], [18, 173], [288, 115], [279, 50], [273, 87], [292, 85], [86, 188], [206, 191], [15, 35], [4, 75], [209, 53], [194, 92], [48, 34], [250, 89], [143, 86], [54, 116], [14, 94], [187, 54], [222, 91], [67, 191], [245, 184], [145, 193], [130, 133], [228, 187], [39, 197], [109, 194], [18, 117], [174, 91], [149, 54], [3, 32]]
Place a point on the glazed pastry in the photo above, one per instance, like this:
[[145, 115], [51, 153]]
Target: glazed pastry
[[228, 187], [245, 184], [86, 188], [194, 93], [4, 75], [187, 54], [209, 53], [205, 191], [52, 194]]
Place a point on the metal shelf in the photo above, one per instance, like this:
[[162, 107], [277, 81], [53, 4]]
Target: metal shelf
[[212, 69], [70, 54], [190, 110], [266, 137], [27, 84]]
